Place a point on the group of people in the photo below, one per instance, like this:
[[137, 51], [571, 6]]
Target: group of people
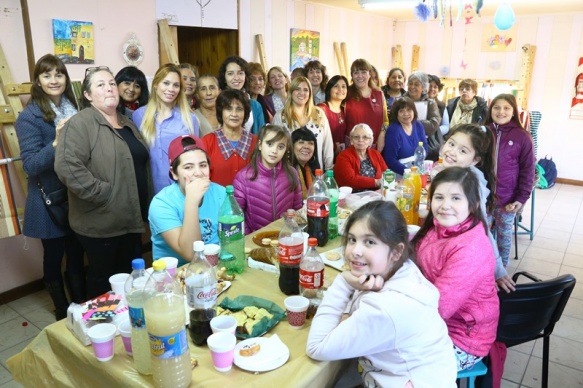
[[129, 158]]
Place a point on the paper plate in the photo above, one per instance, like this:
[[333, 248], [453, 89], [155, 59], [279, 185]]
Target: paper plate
[[338, 264], [272, 355], [270, 234]]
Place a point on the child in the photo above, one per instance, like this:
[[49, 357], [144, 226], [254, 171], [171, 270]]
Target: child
[[470, 145], [387, 330], [515, 168], [268, 185], [454, 253]]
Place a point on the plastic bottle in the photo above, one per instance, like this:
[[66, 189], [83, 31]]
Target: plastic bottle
[[416, 179], [318, 209], [232, 234], [164, 311], [406, 198], [334, 193], [436, 169], [420, 155], [291, 247], [312, 274], [134, 289], [201, 294]]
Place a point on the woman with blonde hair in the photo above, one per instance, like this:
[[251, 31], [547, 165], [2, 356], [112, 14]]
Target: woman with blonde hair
[[189, 75], [276, 90], [299, 111], [166, 116]]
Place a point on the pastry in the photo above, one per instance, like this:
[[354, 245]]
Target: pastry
[[266, 241], [249, 349], [264, 255], [333, 256], [250, 311], [248, 326], [274, 243]]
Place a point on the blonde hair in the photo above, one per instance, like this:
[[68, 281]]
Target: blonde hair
[[148, 127], [309, 110], [268, 89]]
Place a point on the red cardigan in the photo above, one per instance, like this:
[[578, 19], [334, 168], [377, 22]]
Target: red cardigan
[[347, 169]]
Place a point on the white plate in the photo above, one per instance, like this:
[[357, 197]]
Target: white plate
[[272, 355], [337, 263], [187, 308]]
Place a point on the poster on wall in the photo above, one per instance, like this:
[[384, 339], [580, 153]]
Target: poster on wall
[[304, 47], [494, 40], [73, 41], [577, 101]]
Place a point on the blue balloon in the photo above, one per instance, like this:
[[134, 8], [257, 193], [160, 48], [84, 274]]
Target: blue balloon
[[504, 17]]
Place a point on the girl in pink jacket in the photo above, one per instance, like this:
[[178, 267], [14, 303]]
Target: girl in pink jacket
[[268, 185], [455, 254]]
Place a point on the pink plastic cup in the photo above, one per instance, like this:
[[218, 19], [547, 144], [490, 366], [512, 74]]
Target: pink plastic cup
[[297, 309], [211, 252], [222, 347], [101, 337], [125, 331]]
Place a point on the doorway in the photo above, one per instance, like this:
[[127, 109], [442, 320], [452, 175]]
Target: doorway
[[206, 48]]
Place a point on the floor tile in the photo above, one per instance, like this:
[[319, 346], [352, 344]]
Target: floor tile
[[575, 248], [41, 317], [539, 266], [7, 313], [31, 302], [15, 331], [549, 243], [572, 260], [559, 375], [5, 376], [570, 328], [11, 384], [551, 233], [562, 351], [11, 351], [565, 226], [515, 366], [509, 384], [544, 254], [574, 308]]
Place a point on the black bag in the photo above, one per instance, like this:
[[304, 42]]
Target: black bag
[[57, 204]]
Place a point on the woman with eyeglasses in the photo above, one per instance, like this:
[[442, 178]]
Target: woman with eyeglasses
[[468, 108], [366, 103], [102, 158], [166, 116], [359, 166]]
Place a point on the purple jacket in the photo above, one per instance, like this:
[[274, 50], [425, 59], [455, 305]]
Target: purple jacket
[[515, 164], [264, 199], [460, 263]]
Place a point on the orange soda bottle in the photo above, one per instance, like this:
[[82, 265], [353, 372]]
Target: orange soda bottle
[[406, 199]]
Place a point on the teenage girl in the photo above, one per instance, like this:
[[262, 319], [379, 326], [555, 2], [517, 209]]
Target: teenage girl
[[455, 254], [515, 177], [470, 145], [385, 329], [268, 185]]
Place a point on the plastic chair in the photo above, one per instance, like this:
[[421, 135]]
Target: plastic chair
[[532, 311], [478, 370]]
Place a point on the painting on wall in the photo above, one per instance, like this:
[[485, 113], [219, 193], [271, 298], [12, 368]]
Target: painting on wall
[[304, 47], [73, 41], [577, 101], [494, 40]]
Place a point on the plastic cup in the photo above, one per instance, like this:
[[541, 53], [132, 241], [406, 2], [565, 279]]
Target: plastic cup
[[296, 308], [345, 189], [125, 331], [412, 229], [211, 251], [391, 195], [341, 199], [224, 324], [222, 347], [428, 166], [118, 282], [101, 337], [171, 264], [306, 236]]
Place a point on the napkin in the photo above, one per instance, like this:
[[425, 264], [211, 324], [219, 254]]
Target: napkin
[[272, 348], [262, 266]]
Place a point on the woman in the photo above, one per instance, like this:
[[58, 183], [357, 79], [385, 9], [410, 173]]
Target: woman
[[299, 111], [393, 87], [427, 112], [304, 158], [467, 108], [276, 90], [133, 90], [403, 136], [374, 75], [366, 104], [333, 107], [52, 103], [234, 74], [103, 160], [207, 91], [189, 75], [257, 88], [230, 147], [166, 116], [187, 210], [360, 166], [316, 73], [435, 87]]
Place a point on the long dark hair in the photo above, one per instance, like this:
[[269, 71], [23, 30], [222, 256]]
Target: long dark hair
[[45, 64], [305, 134], [333, 81], [243, 64], [133, 74], [509, 98]]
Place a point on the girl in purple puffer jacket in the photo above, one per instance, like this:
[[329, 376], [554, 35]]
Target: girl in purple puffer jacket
[[268, 185]]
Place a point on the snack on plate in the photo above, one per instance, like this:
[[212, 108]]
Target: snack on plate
[[333, 256], [274, 243], [249, 349], [246, 318], [221, 277], [266, 241], [344, 214], [265, 255]]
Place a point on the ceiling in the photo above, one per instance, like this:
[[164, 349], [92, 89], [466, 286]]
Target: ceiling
[[521, 7]]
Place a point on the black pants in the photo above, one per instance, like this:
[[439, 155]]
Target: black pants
[[54, 249], [108, 256]]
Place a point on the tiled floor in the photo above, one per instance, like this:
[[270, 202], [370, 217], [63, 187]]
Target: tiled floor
[[556, 249]]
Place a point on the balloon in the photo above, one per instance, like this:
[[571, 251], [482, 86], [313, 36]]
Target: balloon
[[504, 17]]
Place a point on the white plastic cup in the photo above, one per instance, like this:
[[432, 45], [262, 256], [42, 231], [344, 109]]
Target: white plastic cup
[[412, 229], [224, 323], [345, 189], [101, 337], [306, 236], [391, 195], [211, 252], [296, 308], [341, 199], [125, 331], [118, 282], [222, 347], [171, 264]]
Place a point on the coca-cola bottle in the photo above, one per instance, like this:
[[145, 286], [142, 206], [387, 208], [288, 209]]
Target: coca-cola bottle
[[291, 247], [201, 294], [318, 209], [312, 274]]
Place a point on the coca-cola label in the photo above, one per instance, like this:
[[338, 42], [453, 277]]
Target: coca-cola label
[[201, 297], [290, 254], [318, 208], [168, 347], [311, 280]]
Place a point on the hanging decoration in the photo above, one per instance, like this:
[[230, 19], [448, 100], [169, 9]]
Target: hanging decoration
[[422, 12], [504, 17], [202, 4], [439, 9]]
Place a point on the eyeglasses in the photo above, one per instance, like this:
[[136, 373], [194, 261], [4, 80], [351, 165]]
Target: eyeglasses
[[465, 89], [95, 68], [364, 137]]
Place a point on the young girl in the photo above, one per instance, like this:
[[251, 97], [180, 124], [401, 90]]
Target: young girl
[[268, 185], [454, 253], [515, 177], [387, 330]]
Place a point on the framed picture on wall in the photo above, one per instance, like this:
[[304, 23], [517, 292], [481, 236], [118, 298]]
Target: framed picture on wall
[[304, 47], [577, 101], [73, 41]]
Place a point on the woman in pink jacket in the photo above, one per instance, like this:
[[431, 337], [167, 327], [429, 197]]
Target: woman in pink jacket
[[268, 185], [455, 254]]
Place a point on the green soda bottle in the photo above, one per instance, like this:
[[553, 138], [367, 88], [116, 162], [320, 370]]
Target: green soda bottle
[[232, 234], [333, 192]]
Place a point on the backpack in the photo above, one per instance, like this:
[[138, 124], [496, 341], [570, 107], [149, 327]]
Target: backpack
[[548, 170]]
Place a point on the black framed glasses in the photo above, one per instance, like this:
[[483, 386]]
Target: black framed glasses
[[95, 68]]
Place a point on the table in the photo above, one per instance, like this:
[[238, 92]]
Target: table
[[56, 358]]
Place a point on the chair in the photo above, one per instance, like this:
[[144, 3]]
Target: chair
[[532, 311], [478, 370]]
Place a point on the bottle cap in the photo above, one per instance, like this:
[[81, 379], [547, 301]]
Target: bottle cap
[[312, 242], [318, 172], [414, 168], [159, 265], [290, 212], [421, 143], [230, 189], [198, 246], [330, 173], [138, 264]]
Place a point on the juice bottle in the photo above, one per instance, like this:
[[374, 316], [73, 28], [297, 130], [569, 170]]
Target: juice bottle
[[416, 178], [232, 234], [406, 199]]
